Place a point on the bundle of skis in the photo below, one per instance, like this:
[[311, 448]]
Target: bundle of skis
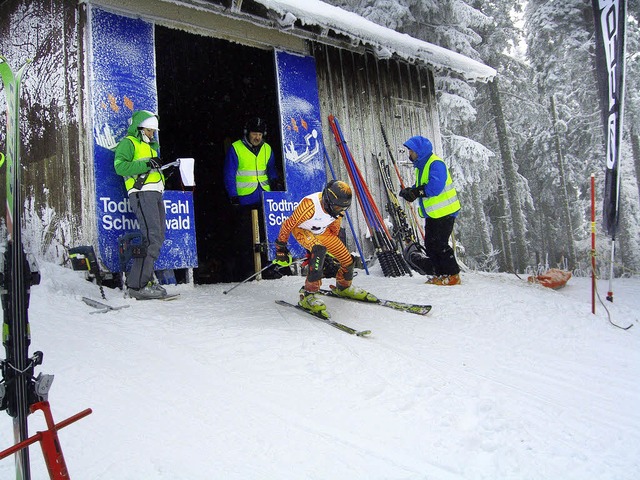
[[404, 228], [402, 231], [386, 249], [21, 392]]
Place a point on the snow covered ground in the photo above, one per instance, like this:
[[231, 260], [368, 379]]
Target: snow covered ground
[[502, 380]]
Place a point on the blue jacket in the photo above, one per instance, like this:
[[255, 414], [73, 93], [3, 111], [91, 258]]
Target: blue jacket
[[438, 171]]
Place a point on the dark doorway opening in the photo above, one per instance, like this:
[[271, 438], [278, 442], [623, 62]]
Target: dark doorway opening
[[207, 89]]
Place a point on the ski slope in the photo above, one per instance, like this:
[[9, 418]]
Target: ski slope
[[501, 380]]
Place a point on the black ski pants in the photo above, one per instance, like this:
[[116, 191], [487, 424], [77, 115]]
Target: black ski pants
[[436, 242]]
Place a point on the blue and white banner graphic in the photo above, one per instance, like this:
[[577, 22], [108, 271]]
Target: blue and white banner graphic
[[302, 144]]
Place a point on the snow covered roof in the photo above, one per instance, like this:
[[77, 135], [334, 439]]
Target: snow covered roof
[[385, 41]]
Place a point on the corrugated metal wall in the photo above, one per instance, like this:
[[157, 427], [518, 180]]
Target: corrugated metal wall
[[362, 92]]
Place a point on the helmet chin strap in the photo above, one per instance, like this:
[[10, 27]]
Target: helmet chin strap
[[334, 214]]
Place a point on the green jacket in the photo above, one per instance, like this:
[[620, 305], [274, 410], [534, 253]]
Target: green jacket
[[132, 153]]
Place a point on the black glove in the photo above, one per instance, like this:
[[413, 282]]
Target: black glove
[[283, 257], [154, 162], [410, 193], [235, 200]]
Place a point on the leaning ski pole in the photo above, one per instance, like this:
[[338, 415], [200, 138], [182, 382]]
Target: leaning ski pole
[[249, 278], [355, 237], [272, 264]]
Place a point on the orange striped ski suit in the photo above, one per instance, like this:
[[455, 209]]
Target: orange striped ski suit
[[311, 227]]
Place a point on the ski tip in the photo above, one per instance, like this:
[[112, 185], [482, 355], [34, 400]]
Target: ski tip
[[363, 333]]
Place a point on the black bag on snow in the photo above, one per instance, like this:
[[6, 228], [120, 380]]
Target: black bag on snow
[[416, 256]]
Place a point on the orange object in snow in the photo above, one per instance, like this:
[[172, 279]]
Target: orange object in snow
[[552, 278]]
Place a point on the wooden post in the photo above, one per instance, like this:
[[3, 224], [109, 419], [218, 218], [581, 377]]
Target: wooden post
[[257, 260]]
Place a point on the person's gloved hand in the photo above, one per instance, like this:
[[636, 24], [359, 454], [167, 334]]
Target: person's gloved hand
[[154, 162], [283, 257], [235, 200], [410, 193]]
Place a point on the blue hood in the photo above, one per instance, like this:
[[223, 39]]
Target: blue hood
[[423, 147]]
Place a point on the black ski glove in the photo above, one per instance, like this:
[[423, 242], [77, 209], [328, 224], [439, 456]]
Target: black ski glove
[[154, 162], [283, 257], [411, 193]]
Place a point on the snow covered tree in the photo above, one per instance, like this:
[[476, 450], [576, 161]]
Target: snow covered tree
[[451, 24], [525, 184]]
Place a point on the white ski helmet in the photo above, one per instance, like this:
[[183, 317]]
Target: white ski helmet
[[150, 122]]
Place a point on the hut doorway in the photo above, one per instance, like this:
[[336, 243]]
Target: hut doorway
[[207, 89]]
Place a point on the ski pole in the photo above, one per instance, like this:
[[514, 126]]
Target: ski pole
[[353, 232], [249, 278]]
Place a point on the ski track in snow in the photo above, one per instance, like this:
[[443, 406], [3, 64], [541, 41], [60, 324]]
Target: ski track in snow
[[501, 379]]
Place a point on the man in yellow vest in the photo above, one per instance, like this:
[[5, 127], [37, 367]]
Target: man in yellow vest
[[249, 170], [137, 161], [438, 204], [250, 166]]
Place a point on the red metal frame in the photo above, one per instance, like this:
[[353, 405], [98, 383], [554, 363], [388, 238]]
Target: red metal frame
[[49, 442]]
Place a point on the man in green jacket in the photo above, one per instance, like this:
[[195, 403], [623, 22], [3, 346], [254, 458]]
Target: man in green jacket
[[138, 162]]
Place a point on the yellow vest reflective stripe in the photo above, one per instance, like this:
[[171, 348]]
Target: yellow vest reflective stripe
[[252, 169], [441, 205]]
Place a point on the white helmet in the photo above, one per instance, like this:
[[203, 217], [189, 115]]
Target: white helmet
[[150, 122]]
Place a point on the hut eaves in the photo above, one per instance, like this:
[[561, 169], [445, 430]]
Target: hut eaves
[[383, 41]]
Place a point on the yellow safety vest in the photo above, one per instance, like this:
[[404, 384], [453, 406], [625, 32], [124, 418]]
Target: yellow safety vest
[[441, 205], [252, 169], [143, 151]]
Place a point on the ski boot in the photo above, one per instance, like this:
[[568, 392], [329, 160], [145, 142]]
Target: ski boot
[[157, 287], [445, 280], [146, 293], [310, 302], [356, 293]]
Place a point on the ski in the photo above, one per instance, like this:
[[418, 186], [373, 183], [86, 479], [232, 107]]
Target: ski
[[101, 307], [18, 386], [166, 298], [319, 316], [401, 306]]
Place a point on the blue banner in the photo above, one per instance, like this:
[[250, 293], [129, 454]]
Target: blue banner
[[123, 79], [302, 144]]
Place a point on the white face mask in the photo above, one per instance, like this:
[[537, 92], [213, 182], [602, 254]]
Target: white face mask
[[146, 138]]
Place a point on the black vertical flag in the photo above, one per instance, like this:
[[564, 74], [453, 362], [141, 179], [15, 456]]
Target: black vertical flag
[[610, 18]]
